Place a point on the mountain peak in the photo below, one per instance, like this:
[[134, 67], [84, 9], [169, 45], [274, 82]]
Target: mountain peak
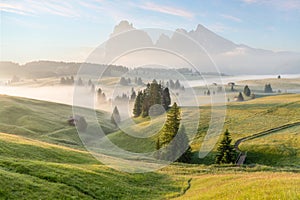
[[200, 28], [122, 26]]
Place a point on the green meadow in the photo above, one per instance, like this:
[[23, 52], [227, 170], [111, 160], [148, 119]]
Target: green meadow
[[42, 157]]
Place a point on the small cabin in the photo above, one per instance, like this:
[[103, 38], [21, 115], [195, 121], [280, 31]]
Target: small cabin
[[74, 119]]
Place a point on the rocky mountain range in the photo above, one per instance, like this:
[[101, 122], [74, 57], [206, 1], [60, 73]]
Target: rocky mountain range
[[200, 48]]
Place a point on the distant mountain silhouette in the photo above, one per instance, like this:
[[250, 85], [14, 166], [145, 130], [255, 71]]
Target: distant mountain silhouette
[[230, 57]]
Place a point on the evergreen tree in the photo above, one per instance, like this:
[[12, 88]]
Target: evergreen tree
[[81, 124], [123, 81], [92, 88], [166, 99], [137, 110], [90, 82], [139, 81], [173, 138], [62, 80], [240, 97], [208, 93], [133, 94], [177, 85], [79, 82], [182, 145], [171, 125], [172, 84], [226, 152], [247, 91], [115, 117], [155, 93], [72, 80]]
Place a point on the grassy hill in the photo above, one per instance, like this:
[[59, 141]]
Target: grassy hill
[[41, 156], [44, 120], [242, 119]]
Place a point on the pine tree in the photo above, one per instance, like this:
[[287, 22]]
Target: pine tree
[[172, 84], [92, 88], [240, 97], [123, 81], [226, 152], [171, 126], [137, 110], [174, 139], [79, 82], [133, 94], [90, 82], [182, 145], [115, 117], [247, 91], [177, 85], [166, 99]]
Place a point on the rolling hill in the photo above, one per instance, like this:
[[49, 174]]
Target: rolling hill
[[42, 157]]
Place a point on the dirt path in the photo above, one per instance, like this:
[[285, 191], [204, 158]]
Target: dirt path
[[243, 155]]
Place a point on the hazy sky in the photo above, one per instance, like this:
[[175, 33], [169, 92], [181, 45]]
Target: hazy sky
[[68, 30]]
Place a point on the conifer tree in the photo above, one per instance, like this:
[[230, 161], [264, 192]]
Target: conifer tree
[[137, 110], [166, 99], [226, 152], [240, 97], [247, 91], [115, 117], [174, 138], [171, 125], [182, 145], [177, 85]]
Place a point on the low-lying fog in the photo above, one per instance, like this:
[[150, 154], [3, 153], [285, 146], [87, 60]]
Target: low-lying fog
[[65, 94]]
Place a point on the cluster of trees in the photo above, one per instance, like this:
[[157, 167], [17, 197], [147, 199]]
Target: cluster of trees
[[174, 85], [101, 95], [67, 80], [125, 82], [70, 81], [173, 142], [208, 92], [125, 97], [268, 88], [153, 94]]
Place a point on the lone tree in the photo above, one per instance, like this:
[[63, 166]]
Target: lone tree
[[174, 147], [226, 152], [115, 117], [247, 91], [240, 97]]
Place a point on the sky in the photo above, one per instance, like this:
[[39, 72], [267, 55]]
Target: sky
[[69, 30]]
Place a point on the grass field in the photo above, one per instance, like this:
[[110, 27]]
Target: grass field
[[41, 157]]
